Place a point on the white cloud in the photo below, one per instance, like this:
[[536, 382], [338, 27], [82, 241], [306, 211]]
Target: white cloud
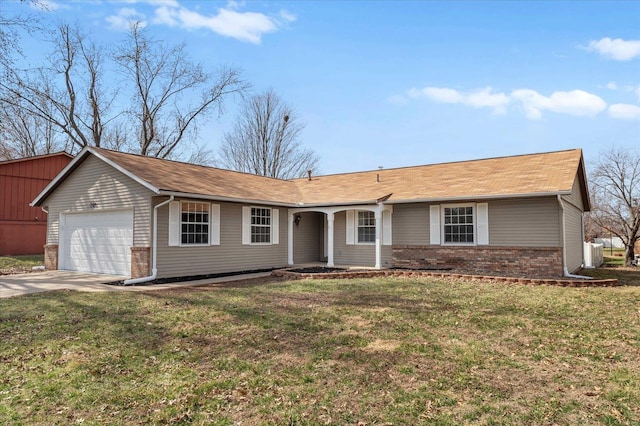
[[170, 3], [288, 16], [164, 15], [125, 17], [479, 98], [624, 111], [438, 94], [575, 102], [485, 98], [45, 5], [612, 85], [228, 22], [616, 49]]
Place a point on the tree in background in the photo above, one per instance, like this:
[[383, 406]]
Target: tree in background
[[76, 93], [65, 93], [615, 193], [266, 140], [170, 92], [26, 135]]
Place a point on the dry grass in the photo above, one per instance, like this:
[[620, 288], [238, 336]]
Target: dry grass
[[626, 275], [19, 264], [367, 351]]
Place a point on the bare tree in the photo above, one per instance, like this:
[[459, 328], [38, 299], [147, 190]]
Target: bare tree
[[10, 27], [76, 92], [266, 140], [616, 196], [65, 93], [171, 92], [26, 135]]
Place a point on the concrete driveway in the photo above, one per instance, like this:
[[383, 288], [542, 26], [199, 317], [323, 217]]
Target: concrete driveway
[[36, 282]]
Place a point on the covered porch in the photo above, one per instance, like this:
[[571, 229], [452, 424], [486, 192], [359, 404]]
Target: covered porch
[[340, 236]]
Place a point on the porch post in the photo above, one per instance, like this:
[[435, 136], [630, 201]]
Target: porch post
[[290, 239], [330, 240], [378, 216]]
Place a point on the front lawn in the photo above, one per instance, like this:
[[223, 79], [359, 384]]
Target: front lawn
[[366, 351]]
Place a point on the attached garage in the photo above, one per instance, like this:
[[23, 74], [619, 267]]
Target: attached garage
[[96, 242]]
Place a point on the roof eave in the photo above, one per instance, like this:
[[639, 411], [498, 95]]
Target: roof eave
[[164, 192], [478, 197]]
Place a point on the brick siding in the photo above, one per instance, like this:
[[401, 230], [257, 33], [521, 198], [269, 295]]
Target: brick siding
[[533, 262], [51, 256], [140, 262]]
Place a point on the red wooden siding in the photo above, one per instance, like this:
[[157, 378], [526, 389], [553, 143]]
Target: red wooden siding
[[22, 227]]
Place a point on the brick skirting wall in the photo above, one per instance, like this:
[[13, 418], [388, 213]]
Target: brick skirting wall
[[140, 262], [533, 262], [51, 256]]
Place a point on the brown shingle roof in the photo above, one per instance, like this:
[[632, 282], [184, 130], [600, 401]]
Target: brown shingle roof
[[506, 176], [175, 176], [546, 173]]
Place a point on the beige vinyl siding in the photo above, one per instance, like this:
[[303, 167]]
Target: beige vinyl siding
[[575, 197], [526, 222], [94, 181], [230, 256], [308, 238], [411, 224], [573, 237], [355, 254]]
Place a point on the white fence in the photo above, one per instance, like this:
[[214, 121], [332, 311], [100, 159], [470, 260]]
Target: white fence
[[614, 242], [593, 255]]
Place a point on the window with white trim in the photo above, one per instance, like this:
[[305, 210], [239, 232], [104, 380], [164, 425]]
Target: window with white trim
[[458, 225], [260, 225], [366, 227], [194, 223]]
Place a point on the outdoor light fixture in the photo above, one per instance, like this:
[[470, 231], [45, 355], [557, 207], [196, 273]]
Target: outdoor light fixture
[[296, 219]]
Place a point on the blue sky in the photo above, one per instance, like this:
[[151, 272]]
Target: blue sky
[[404, 83]]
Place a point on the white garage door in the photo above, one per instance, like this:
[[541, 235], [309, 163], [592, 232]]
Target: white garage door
[[97, 242]]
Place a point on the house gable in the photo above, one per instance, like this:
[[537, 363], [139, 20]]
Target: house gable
[[95, 185]]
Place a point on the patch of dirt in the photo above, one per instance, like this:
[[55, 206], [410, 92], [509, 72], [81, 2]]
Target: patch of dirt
[[18, 270], [380, 345]]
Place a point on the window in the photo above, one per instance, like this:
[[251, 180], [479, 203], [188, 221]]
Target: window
[[366, 227], [458, 224], [194, 223], [260, 225]]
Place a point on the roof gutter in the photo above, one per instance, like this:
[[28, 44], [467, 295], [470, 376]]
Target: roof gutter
[[564, 246], [480, 197], [386, 199], [220, 198], [154, 250]]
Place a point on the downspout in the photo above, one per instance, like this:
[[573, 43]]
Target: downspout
[[564, 246], [154, 269]]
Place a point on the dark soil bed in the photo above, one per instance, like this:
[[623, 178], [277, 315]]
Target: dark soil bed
[[194, 277], [399, 268], [316, 270]]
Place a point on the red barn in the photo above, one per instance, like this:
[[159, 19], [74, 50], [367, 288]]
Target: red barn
[[23, 228]]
